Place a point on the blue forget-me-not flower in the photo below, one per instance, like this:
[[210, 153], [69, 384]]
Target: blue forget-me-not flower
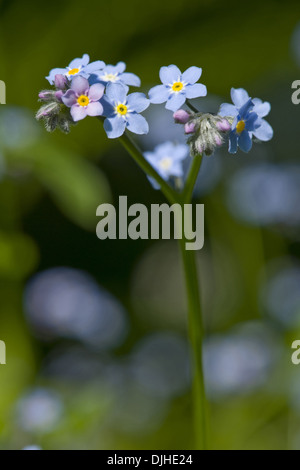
[[167, 159], [117, 74], [248, 120], [80, 66], [122, 111], [177, 87]]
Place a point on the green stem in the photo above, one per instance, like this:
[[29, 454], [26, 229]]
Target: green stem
[[187, 193], [196, 338], [137, 155], [192, 285], [192, 108]]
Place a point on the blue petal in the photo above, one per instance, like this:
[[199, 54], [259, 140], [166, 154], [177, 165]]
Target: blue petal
[[137, 102], [252, 122], [151, 157], [192, 75], [76, 63], [120, 67], [81, 74], [233, 141], [137, 123], [169, 74], [244, 110], [181, 151], [176, 151], [116, 92], [175, 101], [262, 109], [114, 127], [239, 96], [245, 141], [94, 78], [159, 94], [166, 148], [227, 109], [153, 182], [234, 124], [94, 66], [109, 69], [194, 91], [264, 132], [108, 107], [176, 170], [130, 79]]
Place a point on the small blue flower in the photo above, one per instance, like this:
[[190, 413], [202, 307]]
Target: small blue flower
[[167, 159], [262, 129], [177, 87], [77, 67], [122, 111], [116, 74], [244, 125]]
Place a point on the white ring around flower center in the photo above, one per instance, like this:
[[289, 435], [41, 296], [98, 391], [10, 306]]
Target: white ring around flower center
[[110, 77], [177, 86], [73, 71], [122, 109], [165, 163]]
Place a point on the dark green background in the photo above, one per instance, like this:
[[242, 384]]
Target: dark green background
[[52, 185]]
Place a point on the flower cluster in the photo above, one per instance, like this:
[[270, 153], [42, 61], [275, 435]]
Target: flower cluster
[[93, 89], [85, 88], [241, 121], [53, 111]]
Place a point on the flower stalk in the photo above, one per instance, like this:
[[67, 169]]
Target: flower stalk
[[192, 286]]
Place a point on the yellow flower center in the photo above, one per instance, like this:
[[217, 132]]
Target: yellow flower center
[[121, 109], [165, 163], [83, 100], [73, 71], [240, 126], [177, 86]]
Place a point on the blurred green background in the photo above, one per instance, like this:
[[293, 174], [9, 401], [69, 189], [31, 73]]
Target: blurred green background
[[96, 334]]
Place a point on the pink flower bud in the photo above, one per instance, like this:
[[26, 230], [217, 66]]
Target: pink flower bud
[[60, 81], [223, 125], [59, 94], [181, 116], [218, 141], [199, 148], [189, 128], [46, 95]]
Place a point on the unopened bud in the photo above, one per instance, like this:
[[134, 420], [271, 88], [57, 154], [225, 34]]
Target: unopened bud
[[189, 128], [60, 81], [223, 125], [58, 95], [218, 141], [181, 116], [206, 132], [47, 110], [46, 95], [199, 147]]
